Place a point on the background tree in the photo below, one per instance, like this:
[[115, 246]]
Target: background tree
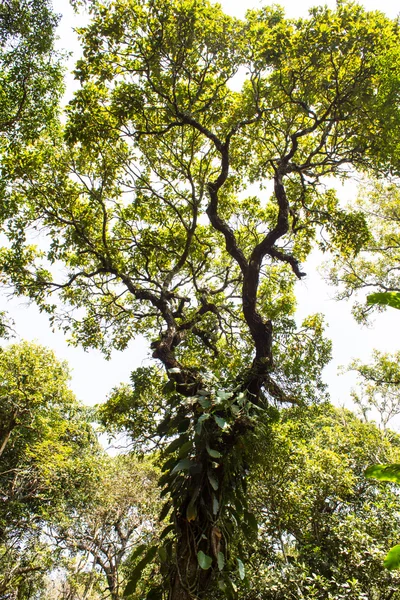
[[47, 447], [376, 268], [118, 519], [144, 203], [323, 528], [378, 387]]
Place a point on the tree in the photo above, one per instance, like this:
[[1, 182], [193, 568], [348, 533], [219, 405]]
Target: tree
[[47, 446], [324, 529], [100, 535], [376, 268], [379, 386], [144, 204]]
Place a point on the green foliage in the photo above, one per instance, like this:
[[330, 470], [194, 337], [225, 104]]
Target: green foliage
[[323, 530], [385, 299], [376, 264], [392, 560], [204, 561], [378, 387], [142, 199], [136, 573], [384, 472], [31, 81], [390, 472], [47, 447]]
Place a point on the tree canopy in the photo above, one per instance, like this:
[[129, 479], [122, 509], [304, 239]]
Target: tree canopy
[[178, 202], [47, 447]]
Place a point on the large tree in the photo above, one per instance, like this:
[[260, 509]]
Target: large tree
[[151, 230]]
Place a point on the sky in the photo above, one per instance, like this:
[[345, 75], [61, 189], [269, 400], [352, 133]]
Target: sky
[[93, 377]]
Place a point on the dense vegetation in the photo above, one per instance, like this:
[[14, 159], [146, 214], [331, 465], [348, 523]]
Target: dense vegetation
[[177, 198]]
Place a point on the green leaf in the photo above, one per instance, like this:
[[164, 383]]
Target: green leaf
[[221, 422], [164, 478], [165, 510], [168, 464], [230, 588], [203, 417], [183, 425], [191, 511], [138, 551], [204, 560], [169, 387], [213, 453], [182, 465], [241, 569], [137, 571], [213, 480], [185, 449], [385, 299], [251, 520], [390, 472], [162, 427], [223, 395], [392, 559], [163, 554], [175, 444], [204, 402], [166, 531], [195, 468], [222, 585], [221, 561]]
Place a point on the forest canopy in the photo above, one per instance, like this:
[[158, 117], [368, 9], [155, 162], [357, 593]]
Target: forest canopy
[[177, 198]]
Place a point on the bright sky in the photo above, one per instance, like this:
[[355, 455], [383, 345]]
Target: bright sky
[[93, 376]]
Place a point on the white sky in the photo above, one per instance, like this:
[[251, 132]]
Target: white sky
[[93, 376]]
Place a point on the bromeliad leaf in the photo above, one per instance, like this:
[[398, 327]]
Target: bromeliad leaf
[[164, 511], [137, 571], [138, 551], [167, 530], [182, 465]]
